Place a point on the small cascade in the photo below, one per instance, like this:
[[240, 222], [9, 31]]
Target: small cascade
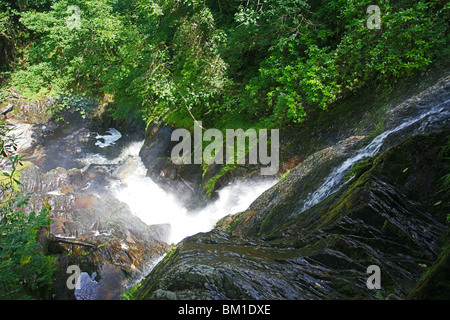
[[334, 180]]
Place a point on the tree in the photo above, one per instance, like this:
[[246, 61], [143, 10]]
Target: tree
[[266, 61]]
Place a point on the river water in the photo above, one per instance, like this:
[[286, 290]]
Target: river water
[[437, 113], [155, 206], [110, 175], [112, 158]]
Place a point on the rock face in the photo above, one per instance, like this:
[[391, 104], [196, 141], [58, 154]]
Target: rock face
[[384, 217], [19, 108], [389, 210], [184, 181], [188, 181], [93, 231]]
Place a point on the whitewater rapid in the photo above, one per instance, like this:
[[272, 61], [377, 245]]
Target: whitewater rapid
[[155, 206]]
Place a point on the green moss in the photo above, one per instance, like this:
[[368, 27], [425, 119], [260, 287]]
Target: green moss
[[173, 248], [345, 202], [267, 217], [359, 168], [236, 218], [146, 285], [435, 284], [129, 293], [284, 175], [210, 184], [390, 229]]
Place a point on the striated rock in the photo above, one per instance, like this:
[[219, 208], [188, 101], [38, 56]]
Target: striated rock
[[261, 216], [32, 111], [99, 233], [388, 210], [385, 216]]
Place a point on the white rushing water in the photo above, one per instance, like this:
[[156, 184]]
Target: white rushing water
[[153, 205], [108, 139], [333, 181]]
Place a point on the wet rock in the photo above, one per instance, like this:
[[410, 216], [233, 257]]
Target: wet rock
[[4, 109], [32, 111], [182, 180], [322, 253], [118, 246], [262, 214], [190, 182], [384, 213]]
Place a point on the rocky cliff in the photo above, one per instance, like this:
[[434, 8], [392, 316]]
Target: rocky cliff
[[388, 210]]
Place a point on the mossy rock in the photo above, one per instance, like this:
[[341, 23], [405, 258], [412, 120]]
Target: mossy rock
[[435, 284], [322, 253]]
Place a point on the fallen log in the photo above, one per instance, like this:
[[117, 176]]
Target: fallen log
[[74, 241]]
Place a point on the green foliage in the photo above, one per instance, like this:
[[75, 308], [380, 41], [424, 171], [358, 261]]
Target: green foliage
[[333, 53], [25, 271], [444, 154], [261, 61], [125, 49], [70, 102]]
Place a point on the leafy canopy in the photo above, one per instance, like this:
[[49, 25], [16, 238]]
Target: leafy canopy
[[221, 61]]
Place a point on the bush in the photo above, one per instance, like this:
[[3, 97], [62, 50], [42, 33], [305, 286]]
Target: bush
[[25, 271]]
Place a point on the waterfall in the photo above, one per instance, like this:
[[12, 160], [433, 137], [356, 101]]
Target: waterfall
[[333, 181], [155, 206]]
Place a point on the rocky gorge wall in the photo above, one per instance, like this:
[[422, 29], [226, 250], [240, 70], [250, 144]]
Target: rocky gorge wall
[[389, 210], [91, 228], [324, 252]]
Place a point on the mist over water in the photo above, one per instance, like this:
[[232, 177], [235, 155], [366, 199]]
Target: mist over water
[[154, 206]]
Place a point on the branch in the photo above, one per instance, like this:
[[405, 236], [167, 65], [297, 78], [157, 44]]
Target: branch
[[74, 241]]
